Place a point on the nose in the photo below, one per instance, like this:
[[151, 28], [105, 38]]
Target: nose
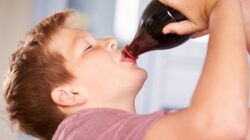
[[110, 44]]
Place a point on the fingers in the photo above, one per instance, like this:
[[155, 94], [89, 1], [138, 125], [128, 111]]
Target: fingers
[[181, 28], [176, 27], [194, 13], [201, 33]]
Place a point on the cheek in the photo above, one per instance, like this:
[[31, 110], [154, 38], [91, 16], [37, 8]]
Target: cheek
[[100, 69], [96, 70]]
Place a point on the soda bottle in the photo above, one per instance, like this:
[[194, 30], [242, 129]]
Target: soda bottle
[[149, 35]]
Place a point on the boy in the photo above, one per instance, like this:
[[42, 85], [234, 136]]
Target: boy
[[60, 72]]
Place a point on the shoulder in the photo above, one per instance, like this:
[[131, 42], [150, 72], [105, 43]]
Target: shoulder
[[106, 124]]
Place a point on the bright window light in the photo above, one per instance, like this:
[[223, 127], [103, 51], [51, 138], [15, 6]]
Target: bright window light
[[126, 19], [203, 39]]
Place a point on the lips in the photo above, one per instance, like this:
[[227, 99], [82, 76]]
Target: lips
[[127, 59]]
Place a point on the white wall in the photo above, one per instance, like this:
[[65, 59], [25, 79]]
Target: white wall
[[172, 76], [14, 21]]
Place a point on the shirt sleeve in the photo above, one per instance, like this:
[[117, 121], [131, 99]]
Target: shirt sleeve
[[133, 128], [104, 125]]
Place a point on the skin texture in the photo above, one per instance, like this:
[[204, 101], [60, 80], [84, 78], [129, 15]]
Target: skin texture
[[246, 16], [101, 79]]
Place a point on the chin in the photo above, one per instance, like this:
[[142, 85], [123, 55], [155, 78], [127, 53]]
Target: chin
[[134, 81], [142, 75]]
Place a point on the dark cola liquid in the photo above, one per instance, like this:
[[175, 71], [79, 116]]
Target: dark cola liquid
[[149, 36]]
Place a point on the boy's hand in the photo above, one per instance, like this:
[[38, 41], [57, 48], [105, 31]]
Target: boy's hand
[[197, 12]]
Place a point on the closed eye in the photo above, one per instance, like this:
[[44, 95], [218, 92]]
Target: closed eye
[[88, 48]]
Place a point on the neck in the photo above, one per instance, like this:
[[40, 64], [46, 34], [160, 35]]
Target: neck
[[124, 104], [124, 101]]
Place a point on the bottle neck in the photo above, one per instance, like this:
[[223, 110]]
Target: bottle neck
[[129, 53]]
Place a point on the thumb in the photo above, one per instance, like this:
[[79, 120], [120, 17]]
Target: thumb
[[200, 33], [180, 28]]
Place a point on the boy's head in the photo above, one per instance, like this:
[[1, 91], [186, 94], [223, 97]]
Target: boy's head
[[57, 70], [33, 73]]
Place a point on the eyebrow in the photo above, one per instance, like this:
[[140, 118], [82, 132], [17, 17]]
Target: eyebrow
[[86, 43], [80, 35], [77, 39]]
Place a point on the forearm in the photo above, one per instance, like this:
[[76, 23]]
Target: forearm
[[248, 130], [222, 92]]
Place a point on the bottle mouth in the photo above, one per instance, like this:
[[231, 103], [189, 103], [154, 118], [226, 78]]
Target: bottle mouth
[[127, 54]]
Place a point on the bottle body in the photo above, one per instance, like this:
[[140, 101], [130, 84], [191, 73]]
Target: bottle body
[[149, 35]]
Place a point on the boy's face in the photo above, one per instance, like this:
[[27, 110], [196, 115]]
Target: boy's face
[[96, 63]]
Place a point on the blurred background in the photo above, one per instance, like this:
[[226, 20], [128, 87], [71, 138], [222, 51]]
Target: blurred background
[[173, 73]]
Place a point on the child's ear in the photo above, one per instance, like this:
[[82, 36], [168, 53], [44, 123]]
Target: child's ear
[[65, 98]]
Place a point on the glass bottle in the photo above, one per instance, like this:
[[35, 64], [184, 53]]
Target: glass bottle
[[149, 35]]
